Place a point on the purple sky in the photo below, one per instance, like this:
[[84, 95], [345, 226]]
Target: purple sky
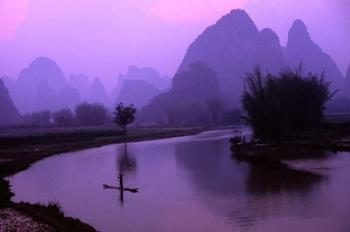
[[102, 37]]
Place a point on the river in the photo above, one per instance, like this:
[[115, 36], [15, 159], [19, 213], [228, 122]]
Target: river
[[190, 183]]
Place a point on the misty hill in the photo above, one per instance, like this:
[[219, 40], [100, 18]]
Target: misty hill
[[136, 92], [68, 98], [41, 70], [81, 83], [46, 98], [186, 102], [301, 49], [346, 90], [147, 74], [232, 47], [97, 92], [9, 114], [10, 84]]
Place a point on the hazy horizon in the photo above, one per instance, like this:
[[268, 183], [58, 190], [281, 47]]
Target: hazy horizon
[[102, 38]]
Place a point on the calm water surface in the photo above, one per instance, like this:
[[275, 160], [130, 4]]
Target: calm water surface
[[191, 184]]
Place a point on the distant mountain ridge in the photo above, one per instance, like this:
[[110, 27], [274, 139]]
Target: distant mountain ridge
[[234, 46], [302, 50]]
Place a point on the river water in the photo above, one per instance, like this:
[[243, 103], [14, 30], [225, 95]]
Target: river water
[[191, 183]]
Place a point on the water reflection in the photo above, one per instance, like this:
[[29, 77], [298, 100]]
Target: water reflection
[[245, 192], [212, 170], [210, 167], [126, 161], [126, 164], [192, 184]]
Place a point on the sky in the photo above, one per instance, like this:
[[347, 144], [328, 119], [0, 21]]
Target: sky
[[101, 38]]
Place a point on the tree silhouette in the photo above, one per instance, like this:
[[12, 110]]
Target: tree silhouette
[[278, 106], [124, 115], [91, 114], [63, 117]]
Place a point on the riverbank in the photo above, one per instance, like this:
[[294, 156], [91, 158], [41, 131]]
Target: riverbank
[[20, 148], [318, 143]]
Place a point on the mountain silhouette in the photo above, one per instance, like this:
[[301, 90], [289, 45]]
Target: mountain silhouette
[[231, 48], [186, 102], [346, 90], [81, 83], [302, 50], [9, 113], [41, 70], [147, 75], [136, 92], [97, 93]]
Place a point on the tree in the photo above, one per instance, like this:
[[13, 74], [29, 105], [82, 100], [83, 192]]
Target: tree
[[41, 118], [278, 106], [63, 117], [87, 114], [124, 115]]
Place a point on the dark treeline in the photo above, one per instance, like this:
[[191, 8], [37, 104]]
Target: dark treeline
[[85, 114], [280, 105]]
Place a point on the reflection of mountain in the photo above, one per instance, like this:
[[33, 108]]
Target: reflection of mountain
[[266, 179], [243, 193], [211, 168], [213, 171]]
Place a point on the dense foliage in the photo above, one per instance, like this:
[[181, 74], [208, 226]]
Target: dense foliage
[[87, 114], [40, 118], [278, 106], [63, 117], [124, 115]]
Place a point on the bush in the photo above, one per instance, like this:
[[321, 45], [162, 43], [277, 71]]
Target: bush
[[87, 114], [42, 118], [63, 117], [277, 106], [124, 115]]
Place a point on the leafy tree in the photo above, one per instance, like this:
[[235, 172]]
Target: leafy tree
[[124, 115], [87, 114], [63, 117], [278, 106], [42, 118]]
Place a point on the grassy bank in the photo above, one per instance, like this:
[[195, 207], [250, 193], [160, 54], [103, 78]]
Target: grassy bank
[[19, 148], [307, 144]]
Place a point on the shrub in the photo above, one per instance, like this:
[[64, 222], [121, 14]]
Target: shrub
[[277, 106], [63, 117], [91, 114], [42, 118], [124, 115]]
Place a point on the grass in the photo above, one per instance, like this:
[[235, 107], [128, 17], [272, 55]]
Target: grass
[[20, 147]]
